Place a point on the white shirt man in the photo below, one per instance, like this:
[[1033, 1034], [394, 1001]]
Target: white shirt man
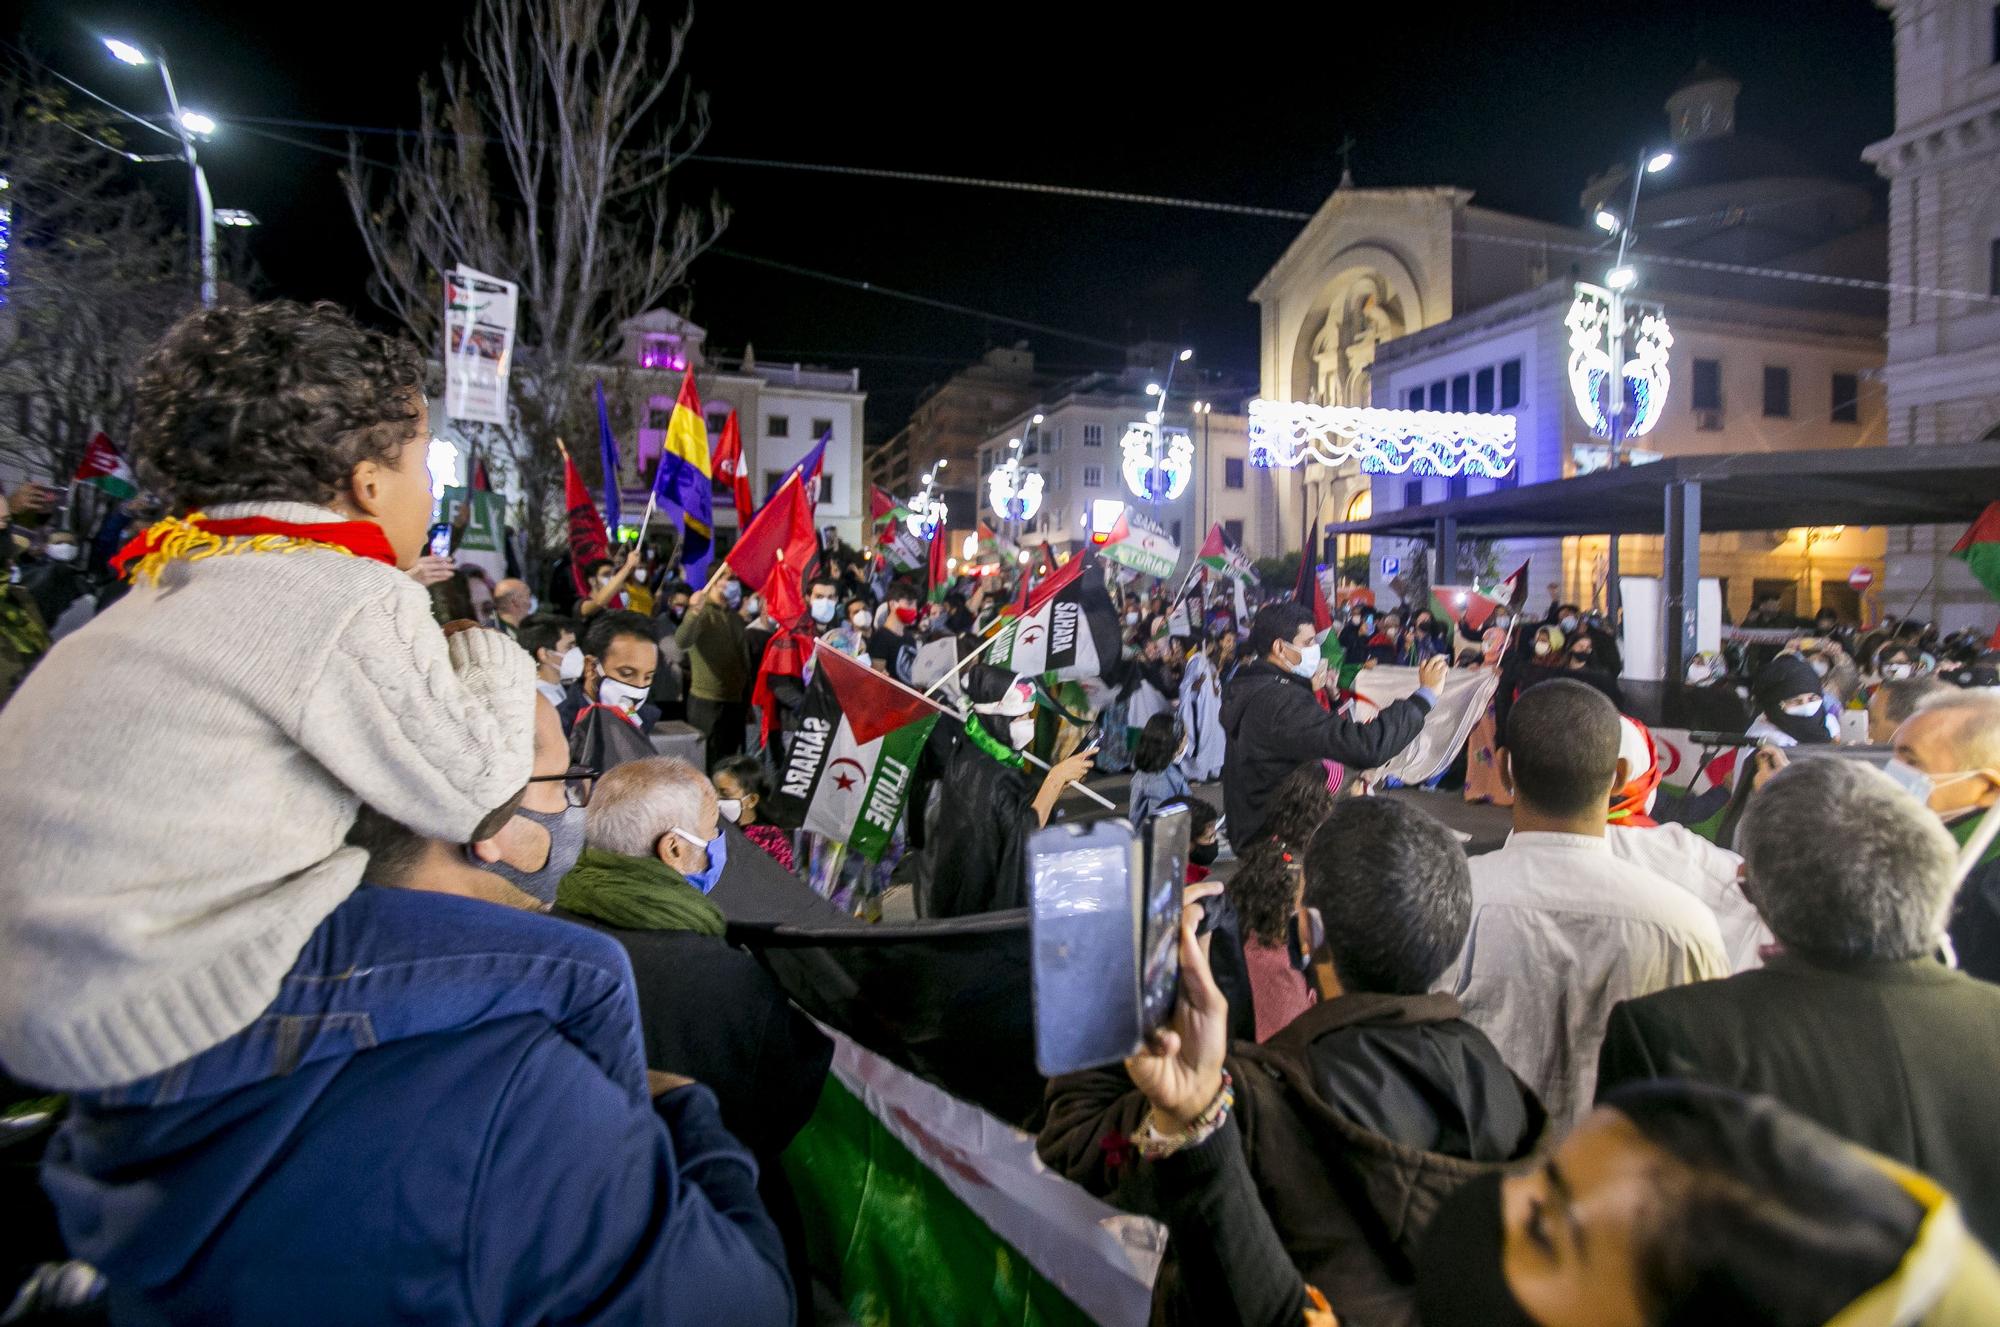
[[1562, 928]]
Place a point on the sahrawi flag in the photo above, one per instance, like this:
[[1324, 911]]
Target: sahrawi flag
[[1067, 628], [1219, 555], [104, 465], [849, 769]]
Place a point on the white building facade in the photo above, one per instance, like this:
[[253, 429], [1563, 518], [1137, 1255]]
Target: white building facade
[[781, 410], [1943, 371]]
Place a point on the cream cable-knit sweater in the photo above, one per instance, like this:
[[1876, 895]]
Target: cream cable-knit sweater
[[177, 779]]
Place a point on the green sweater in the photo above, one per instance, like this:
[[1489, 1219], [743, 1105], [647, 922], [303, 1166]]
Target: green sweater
[[718, 653]]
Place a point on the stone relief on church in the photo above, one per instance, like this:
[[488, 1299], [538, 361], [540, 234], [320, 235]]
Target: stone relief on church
[[1343, 350]]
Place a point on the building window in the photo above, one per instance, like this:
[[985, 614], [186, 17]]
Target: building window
[[1777, 392], [1510, 384], [1996, 59], [658, 416], [1438, 395], [821, 428], [1232, 472], [1093, 475], [773, 478], [1175, 532], [716, 420], [777, 426], [1993, 254], [1054, 437], [1093, 435], [1482, 391], [1461, 393], [1512, 479], [1415, 400], [1233, 532], [1413, 493], [1707, 393], [1846, 398], [1457, 486]]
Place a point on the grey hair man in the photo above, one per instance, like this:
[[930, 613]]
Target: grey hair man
[[1948, 758], [644, 814], [1857, 1024]]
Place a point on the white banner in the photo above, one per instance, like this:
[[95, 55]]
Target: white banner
[[1467, 693], [479, 318], [1146, 549]]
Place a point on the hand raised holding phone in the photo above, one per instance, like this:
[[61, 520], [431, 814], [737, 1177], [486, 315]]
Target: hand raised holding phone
[[1180, 1070]]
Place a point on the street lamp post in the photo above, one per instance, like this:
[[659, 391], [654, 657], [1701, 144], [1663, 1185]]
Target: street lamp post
[[1158, 418], [187, 124], [1621, 278]]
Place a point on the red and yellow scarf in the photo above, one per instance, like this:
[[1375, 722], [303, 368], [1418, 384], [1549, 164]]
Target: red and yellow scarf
[[194, 537]]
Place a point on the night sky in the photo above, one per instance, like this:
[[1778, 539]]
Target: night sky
[[1520, 105]]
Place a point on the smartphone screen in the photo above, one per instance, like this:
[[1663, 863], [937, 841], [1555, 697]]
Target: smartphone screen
[[1085, 912], [440, 540], [1166, 878]]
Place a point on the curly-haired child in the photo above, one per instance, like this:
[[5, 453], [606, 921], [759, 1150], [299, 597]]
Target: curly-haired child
[[180, 774]]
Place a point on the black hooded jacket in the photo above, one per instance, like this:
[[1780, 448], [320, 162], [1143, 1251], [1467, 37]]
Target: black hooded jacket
[[1274, 725], [1358, 1120]]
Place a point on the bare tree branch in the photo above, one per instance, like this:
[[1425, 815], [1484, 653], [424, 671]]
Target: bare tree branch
[[544, 157]]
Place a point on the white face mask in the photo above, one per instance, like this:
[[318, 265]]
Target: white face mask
[[1568, 624], [1308, 662], [1131, 619], [754, 606], [1919, 784], [639, 575], [63, 552], [730, 807], [1541, 647], [822, 610], [1896, 672], [1021, 731], [620, 695], [1803, 709], [859, 621], [571, 667]]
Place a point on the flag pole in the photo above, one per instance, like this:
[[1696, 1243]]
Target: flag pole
[[1091, 793]]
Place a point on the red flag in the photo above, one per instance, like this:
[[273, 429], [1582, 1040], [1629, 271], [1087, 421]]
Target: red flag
[[784, 656], [729, 466], [587, 541], [939, 571], [480, 482], [1514, 590], [774, 549], [1322, 615]]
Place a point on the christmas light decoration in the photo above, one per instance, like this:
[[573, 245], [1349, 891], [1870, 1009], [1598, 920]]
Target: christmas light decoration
[[1015, 490], [1385, 442], [1154, 472], [6, 241], [927, 511], [1599, 322]]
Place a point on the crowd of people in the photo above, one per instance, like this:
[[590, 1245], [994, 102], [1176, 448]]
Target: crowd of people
[[398, 982]]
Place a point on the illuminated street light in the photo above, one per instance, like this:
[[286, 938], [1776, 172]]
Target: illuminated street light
[[124, 51], [235, 216], [1622, 277], [1658, 162], [187, 126], [1607, 220], [1152, 389], [1186, 355], [197, 123]]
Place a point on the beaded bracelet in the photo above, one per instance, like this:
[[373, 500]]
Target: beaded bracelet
[[1154, 1144]]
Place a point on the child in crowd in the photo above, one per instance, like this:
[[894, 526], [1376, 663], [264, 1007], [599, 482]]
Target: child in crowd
[[1159, 779], [182, 772], [741, 784], [1204, 839]]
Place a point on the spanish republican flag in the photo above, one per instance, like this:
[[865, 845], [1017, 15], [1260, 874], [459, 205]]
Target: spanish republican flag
[[683, 479]]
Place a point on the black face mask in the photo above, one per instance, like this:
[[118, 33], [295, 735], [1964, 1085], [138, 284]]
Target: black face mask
[[1204, 854], [1459, 1277]]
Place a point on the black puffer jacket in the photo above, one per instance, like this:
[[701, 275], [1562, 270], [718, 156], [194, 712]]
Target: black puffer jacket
[[1274, 725], [1358, 1120]]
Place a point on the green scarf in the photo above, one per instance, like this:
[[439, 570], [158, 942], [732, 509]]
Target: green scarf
[[635, 894], [991, 745], [1962, 831]]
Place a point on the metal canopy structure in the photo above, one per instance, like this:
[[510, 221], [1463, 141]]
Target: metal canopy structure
[[1687, 496], [1739, 491]]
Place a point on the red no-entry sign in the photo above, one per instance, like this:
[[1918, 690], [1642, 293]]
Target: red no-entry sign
[[1860, 578]]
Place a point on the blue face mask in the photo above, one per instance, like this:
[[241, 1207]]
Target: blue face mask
[[718, 857]]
